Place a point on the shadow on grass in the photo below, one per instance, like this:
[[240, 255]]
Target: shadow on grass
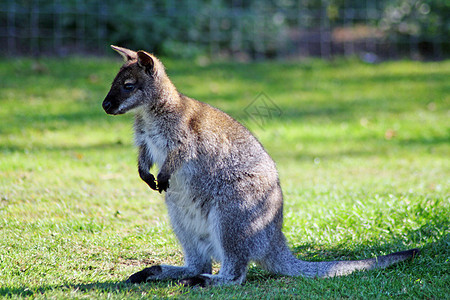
[[435, 253], [104, 287], [37, 147], [425, 141]]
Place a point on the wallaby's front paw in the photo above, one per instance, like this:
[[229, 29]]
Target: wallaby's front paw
[[152, 182], [144, 275], [163, 182], [148, 178]]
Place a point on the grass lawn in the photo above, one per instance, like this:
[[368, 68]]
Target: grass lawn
[[362, 152]]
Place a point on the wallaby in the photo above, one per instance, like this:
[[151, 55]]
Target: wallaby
[[224, 199]]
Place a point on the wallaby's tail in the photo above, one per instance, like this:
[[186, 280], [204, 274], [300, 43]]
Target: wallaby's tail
[[324, 269], [340, 268]]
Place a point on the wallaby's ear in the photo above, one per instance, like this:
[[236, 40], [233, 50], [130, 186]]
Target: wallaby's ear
[[127, 54], [146, 61]]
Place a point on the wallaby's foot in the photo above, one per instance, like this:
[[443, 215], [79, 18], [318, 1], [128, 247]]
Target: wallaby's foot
[[204, 280], [145, 275], [198, 280]]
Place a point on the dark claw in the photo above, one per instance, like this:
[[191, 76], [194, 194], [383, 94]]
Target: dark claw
[[163, 186], [148, 178], [152, 183], [143, 275], [163, 183], [199, 280]]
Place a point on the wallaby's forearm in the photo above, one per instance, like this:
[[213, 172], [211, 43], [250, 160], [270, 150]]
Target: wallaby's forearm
[[144, 164]]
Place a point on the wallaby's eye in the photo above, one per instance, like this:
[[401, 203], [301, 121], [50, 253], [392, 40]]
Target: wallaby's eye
[[128, 86]]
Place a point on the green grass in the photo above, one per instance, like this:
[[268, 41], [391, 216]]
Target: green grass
[[362, 152]]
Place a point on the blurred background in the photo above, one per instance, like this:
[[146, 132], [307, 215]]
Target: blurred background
[[240, 30]]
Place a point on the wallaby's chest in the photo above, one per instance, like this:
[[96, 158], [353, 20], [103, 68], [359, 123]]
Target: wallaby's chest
[[153, 140]]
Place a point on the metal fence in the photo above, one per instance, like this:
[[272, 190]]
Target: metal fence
[[240, 29]]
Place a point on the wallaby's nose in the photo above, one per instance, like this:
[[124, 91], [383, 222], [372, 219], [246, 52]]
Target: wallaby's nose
[[106, 105]]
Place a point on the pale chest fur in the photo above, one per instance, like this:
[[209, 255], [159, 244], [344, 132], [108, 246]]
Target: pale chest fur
[[151, 137]]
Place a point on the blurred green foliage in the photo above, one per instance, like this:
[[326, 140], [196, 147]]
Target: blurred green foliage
[[188, 28]]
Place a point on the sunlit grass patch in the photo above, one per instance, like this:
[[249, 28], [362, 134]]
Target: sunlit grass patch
[[362, 152]]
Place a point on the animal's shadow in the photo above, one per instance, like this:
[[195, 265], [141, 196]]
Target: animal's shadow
[[256, 275]]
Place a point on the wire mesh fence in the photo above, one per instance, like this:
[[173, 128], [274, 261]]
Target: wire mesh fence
[[241, 29]]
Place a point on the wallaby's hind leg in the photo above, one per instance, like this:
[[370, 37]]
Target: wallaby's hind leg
[[195, 263], [232, 247], [233, 271], [196, 256], [161, 272], [279, 258]]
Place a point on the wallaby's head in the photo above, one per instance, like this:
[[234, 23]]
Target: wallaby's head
[[135, 83]]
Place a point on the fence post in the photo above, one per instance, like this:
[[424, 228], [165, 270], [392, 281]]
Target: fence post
[[34, 28], [325, 41], [57, 30], [102, 30], [371, 14], [213, 29], [11, 27], [349, 43]]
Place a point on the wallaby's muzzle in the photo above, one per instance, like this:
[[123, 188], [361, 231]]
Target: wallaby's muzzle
[[107, 106], [111, 106]]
